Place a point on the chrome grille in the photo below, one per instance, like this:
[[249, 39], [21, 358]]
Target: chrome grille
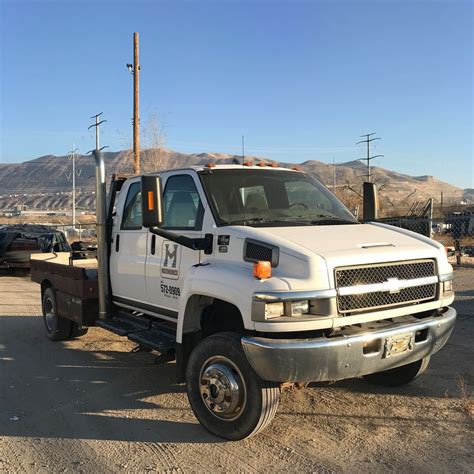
[[367, 275]]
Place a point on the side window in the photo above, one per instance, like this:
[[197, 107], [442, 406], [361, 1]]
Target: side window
[[132, 212], [182, 206]]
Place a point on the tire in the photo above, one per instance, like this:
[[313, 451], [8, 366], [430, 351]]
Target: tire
[[58, 328], [77, 331], [399, 375], [217, 363]]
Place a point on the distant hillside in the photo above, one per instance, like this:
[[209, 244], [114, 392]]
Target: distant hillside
[[42, 183]]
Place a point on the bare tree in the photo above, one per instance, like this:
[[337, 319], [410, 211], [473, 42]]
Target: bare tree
[[153, 153], [153, 139]]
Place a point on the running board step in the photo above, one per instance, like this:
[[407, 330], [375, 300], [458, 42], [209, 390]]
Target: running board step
[[124, 323], [154, 339]]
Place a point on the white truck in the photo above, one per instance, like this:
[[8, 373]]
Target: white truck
[[254, 278]]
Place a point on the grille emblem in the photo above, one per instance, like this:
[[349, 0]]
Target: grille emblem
[[392, 285]]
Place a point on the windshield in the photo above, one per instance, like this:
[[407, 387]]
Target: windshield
[[258, 197]]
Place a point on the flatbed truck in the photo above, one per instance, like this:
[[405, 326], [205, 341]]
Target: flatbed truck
[[253, 278]]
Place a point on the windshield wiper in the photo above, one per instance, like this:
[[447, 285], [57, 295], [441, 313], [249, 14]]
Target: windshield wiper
[[331, 220], [266, 220]]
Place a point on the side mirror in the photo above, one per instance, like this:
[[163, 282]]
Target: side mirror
[[371, 202], [152, 203]]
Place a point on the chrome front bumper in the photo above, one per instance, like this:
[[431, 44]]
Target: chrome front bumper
[[346, 355]]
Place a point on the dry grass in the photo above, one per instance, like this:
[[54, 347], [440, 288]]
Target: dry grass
[[466, 398]]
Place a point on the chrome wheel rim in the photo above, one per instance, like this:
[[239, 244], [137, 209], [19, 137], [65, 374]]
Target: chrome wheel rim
[[222, 388], [49, 314]]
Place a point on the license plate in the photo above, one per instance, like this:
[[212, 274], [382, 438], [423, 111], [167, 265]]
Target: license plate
[[396, 345]]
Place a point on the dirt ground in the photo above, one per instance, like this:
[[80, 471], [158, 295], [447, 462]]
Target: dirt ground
[[90, 405]]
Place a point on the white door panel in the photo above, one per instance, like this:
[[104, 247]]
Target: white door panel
[[166, 270], [129, 247], [168, 263], [129, 271]]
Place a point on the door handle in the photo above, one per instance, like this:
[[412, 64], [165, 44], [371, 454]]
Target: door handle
[[117, 243], [153, 244]]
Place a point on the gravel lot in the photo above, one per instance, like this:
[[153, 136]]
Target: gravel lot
[[90, 405]]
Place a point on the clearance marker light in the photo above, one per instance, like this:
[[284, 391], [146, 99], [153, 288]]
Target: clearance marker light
[[151, 201], [262, 270]]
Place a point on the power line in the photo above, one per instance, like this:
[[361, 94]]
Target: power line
[[368, 140]]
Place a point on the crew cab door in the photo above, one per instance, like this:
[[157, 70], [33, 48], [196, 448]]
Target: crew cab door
[[128, 249], [168, 262]]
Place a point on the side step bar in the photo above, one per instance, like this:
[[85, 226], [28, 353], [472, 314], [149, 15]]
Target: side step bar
[[142, 330], [124, 323], [155, 338]]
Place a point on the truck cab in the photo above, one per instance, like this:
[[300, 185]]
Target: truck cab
[[265, 280]]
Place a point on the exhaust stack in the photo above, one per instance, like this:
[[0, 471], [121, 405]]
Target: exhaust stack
[[101, 222]]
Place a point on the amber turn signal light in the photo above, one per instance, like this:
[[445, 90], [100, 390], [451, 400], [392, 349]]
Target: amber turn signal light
[[262, 270], [151, 201]]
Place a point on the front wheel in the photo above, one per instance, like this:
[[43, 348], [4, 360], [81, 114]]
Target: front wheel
[[399, 375], [228, 398]]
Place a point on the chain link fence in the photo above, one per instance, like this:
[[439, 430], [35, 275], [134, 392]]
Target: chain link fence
[[455, 231], [83, 232]]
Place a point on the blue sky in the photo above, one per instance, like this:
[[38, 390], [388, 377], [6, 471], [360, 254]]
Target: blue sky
[[300, 79]]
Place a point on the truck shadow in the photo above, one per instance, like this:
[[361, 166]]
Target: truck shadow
[[94, 388], [90, 388]]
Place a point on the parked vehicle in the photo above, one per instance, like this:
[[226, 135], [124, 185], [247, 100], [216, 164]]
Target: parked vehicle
[[19, 241], [253, 279]]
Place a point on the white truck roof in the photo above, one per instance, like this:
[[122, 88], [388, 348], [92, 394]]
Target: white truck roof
[[214, 166]]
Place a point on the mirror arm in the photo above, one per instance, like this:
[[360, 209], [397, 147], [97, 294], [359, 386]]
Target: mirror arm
[[202, 243]]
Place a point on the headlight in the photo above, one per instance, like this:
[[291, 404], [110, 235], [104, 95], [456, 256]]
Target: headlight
[[447, 287], [274, 310], [290, 308], [297, 308]]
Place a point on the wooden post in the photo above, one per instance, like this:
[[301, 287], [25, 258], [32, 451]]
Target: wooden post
[[136, 112]]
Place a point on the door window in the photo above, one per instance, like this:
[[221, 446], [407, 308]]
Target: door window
[[182, 206], [132, 213]]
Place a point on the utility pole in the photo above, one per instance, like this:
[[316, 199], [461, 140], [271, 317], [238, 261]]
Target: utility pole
[[72, 156], [97, 129], [334, 175], [243, 149], [135, 71], [100, 177], [368, 140]]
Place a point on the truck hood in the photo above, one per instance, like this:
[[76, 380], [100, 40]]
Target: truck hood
[[353, 244]]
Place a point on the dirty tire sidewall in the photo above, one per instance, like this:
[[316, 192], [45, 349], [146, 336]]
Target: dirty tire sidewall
[[262, 396], [57, 328]]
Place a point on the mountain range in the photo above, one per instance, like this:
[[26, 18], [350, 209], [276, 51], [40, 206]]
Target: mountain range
[[45, 182]]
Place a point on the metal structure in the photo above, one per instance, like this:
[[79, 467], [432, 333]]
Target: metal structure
[[97, 129], [73, 175], [368, 140], [101, 222]]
